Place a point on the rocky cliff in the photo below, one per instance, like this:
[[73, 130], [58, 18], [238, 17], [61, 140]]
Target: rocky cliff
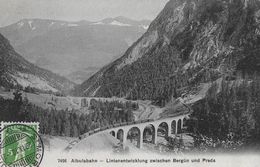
[[190, 42]]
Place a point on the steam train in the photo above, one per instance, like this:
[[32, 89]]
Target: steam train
[[113, 126]]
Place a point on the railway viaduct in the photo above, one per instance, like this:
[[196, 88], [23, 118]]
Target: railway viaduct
[[171, 125]]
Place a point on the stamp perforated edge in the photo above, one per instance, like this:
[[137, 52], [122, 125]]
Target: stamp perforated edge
[[3, 124]]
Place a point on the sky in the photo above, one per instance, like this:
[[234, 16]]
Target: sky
[[74, 10]]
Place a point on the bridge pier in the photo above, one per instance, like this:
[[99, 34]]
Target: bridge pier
[[155, 135], [169, 129], [124, 138], [89, 102], [140, 143], [176, 127]]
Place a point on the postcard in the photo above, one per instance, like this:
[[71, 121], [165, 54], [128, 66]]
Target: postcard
[[119, 83]]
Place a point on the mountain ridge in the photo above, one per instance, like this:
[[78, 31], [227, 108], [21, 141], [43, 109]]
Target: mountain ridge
[[67, 48], [189, 42], [18, 73]]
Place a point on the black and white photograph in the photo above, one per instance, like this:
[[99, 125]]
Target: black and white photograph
[[113, 83]]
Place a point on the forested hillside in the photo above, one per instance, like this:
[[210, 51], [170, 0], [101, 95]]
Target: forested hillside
[[64, 122], [232, 107], [16, 72], [190, 42], [205, 52]]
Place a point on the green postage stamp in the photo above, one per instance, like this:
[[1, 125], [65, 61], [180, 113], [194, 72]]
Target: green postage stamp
[[20, 145]]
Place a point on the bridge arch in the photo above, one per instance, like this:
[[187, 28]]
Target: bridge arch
[[113, 133], [179, 126], [150, 134], [163, 129], [120, 135], [134, 135], [174, 127], [184, 123]]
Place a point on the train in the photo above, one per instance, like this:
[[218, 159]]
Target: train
[[96, 130], [113, 126], [91, 132], [119, 125], [143, 121]]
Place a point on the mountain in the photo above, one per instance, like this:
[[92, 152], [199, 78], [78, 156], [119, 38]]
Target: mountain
[[67, 48], [190, 42], [124, 21], [16, 72], [201, 53]]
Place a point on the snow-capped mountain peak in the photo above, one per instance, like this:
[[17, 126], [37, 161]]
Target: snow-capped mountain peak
[[41, 24], [145, 27], [34, 24], [117, 23], [124, 22]]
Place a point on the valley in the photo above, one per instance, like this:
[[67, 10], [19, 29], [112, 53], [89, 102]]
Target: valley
[[75, 50], [79, 104]]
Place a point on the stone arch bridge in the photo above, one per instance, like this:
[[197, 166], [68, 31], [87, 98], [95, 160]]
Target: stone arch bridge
[[171, 125]]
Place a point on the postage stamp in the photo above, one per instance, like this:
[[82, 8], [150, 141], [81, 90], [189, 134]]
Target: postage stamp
[[20, 145]]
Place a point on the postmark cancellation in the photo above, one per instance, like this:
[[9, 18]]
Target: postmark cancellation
[[20, 144]]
